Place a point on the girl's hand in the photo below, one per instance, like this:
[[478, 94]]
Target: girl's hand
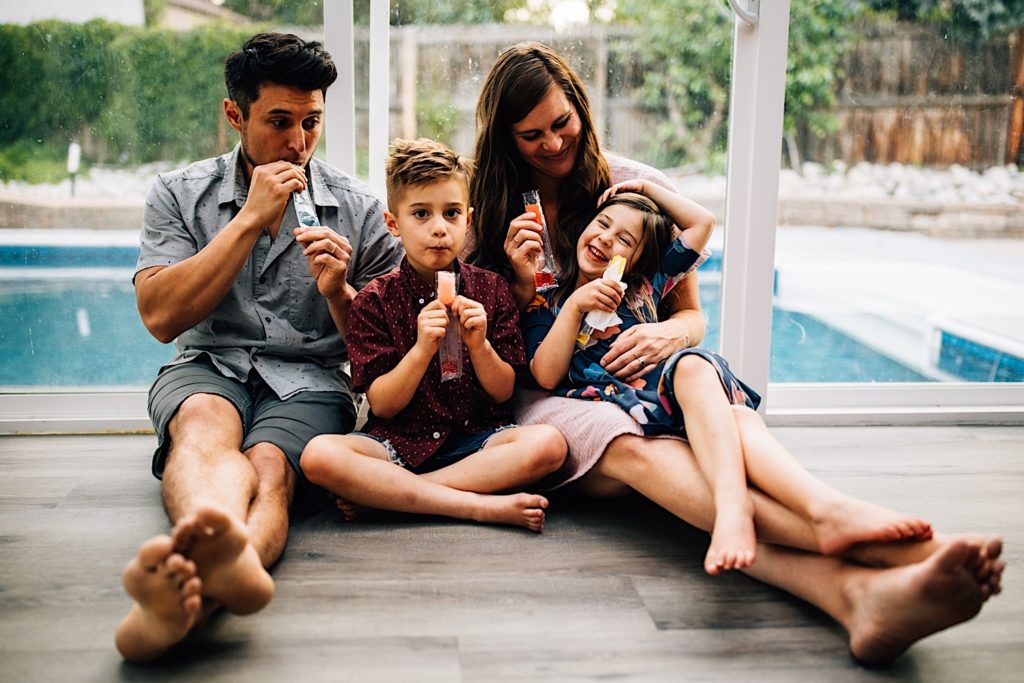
[[639, 348], [472, 319], [431, 324], [602, 295], [635, 185], [522, 244]]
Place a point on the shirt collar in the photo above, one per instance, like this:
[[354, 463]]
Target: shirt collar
[[418, 288], [233, 189]]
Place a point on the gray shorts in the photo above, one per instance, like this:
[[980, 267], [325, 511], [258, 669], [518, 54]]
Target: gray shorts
[[287, 424]]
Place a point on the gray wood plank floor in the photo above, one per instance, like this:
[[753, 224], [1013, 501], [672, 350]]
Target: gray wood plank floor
[[613, 590]]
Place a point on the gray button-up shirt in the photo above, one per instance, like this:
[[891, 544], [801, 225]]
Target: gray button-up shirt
[[273, 320]]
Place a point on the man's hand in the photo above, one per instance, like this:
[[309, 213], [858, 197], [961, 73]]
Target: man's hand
[[329, 254], [269, 189]]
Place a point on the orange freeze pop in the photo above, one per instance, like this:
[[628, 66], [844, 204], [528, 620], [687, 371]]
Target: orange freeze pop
[[446, 287]]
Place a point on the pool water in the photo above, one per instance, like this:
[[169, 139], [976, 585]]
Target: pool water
[[86, 332]]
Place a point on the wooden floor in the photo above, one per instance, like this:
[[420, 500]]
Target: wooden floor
[[610, 591]]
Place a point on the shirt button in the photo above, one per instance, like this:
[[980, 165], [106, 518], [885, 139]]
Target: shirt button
[[421, 301], [437, 435], [466, 423], [267, 318]]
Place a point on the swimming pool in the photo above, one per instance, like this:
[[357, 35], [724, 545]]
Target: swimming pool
[[70, 320]]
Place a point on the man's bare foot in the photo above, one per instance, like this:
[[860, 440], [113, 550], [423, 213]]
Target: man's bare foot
[[519, 509], [227, 563], [891, 609], [733, 542], [167, 601], [350, 511], [850, 521]]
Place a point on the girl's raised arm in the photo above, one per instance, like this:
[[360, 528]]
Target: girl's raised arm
[[694, 221]]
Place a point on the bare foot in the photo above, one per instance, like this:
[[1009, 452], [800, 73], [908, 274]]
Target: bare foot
[[519, 509], [167, 601], [901, 553], [894, 608], [851, 521], [350, 511], [732, 542], [227, 563]]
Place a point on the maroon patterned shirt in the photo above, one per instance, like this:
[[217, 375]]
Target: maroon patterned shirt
[[382, 329]]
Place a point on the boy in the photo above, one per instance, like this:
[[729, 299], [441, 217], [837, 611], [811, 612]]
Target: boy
[[450, 431]]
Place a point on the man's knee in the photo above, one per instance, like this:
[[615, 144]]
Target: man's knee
[[273, 472], [207, 417]]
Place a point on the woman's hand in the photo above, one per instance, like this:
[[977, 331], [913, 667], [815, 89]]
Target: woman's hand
[[640, 347], [522, 244], [635, 185]]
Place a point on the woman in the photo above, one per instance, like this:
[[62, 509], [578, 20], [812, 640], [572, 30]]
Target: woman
[[534, 131]]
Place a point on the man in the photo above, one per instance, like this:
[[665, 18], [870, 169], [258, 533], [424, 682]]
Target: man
[[258, 308]]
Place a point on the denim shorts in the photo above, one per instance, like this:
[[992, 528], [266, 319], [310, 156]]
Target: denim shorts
[[456, 447]]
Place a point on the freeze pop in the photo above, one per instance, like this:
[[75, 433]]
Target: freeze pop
[[450, 347], [304, 209], [544, 275], [599, 320]]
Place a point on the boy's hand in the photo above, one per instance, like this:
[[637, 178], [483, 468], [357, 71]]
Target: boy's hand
[[472, 322], [431, 324], [602, 295]]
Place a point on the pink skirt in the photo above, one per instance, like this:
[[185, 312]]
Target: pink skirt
[[588, 427]]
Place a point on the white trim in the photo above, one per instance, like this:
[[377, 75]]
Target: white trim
[[99, 410], [340, 114], [752, 199], [77, 411], [379, 107]]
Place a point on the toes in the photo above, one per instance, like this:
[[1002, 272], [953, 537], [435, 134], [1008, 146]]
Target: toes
[[154, 551], [956, 554]]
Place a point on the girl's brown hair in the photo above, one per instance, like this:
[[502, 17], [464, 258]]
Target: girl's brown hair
[[655, 237], [518, 81]]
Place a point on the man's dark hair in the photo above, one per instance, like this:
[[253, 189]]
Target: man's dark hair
[[280, 58]]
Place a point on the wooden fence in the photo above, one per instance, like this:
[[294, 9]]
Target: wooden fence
[[908, 95]]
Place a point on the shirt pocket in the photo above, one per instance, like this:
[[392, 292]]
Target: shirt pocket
[[307, 309]]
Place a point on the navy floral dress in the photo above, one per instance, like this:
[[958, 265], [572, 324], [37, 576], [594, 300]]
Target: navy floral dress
[[650, 400]]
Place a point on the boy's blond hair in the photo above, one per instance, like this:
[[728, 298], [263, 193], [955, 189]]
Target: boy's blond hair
[[421, 161]]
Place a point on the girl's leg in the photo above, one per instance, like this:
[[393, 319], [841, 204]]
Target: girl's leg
[[511, 459], [357, 469], [665, 472], [715, 439], [838, 520]]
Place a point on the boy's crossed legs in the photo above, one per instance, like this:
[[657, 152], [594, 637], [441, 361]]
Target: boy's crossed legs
[[359, 469]]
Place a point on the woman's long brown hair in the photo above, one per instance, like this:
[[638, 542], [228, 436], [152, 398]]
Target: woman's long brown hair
[[518, 81]]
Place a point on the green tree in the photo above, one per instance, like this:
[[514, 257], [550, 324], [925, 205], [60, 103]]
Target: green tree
[[965, 20], [684, 47]]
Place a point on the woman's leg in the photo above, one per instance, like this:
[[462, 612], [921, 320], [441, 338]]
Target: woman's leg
[[885, 611], [357, 469], [838, 520], [713, 435]]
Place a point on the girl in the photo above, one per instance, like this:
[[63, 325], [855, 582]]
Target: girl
[[634, 222]]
